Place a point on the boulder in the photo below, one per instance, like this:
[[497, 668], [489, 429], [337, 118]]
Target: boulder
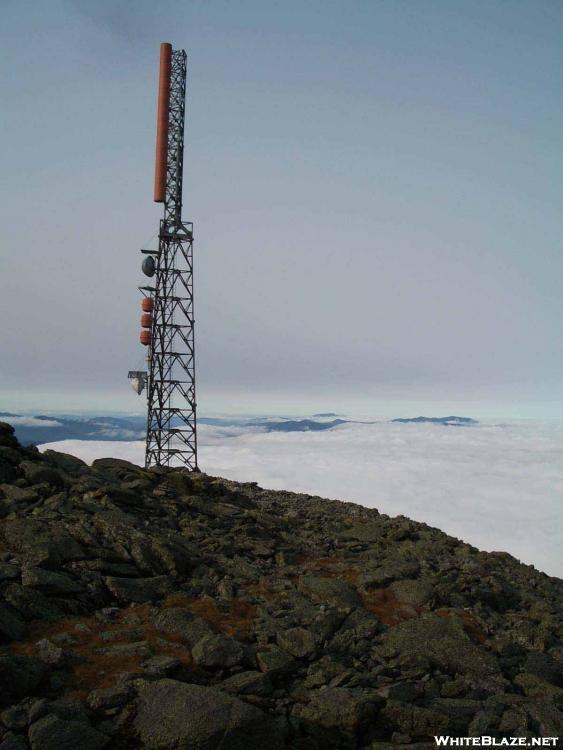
[[9, 572], [154, 556], [65, 462], [7, 436], [275, 661], [218, 651], [248, 683], [138, 590], [331, 591], [52, 733], [414, 591], [49, 582], [339, 717], [49, 653], [16, 717], [297, 641], [14, 742], [31, 604], [182, 622], [11, 627], [38, 543], [106, 698], [431, 641], [390, 570], [415, 721], [173, 715], [19, 677], [544, 666], [37, 473]]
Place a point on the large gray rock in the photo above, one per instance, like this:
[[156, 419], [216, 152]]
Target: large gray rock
[[248, 683], [36, 473], [415, 591], [38, 543], [339, 717], [388, 571], [175, 716], [11, 627], [49, 582], [332, 591], [155, 555], [31, 604], [431, 641], [52, 733], [218, 651], [139, 590], [415, 721], [14, 742], [19, 676], [275, 661], [67, 463], [545, 667], [7, 436], [182, 622], [298, 642]]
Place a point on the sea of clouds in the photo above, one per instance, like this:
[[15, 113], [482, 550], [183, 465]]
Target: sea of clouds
[[498, 487]]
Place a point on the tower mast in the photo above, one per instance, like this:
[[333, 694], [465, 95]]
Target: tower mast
[[171, 418]]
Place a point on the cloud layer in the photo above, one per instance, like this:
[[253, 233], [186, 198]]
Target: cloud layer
[[498, 487]]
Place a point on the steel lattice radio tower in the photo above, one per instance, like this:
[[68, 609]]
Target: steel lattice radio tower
[[168, 306]]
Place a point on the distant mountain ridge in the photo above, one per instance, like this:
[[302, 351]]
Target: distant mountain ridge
[[39, 429], [451, 421]]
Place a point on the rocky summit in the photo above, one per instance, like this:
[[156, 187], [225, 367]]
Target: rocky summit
[[173, 611]]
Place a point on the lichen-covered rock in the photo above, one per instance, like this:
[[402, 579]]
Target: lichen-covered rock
[[38, 543], [298, 642], [180, 621], [7, 437], [339, 717], [417, 591], [50, 582], [36, 473], [139, 590], [414, 721], [218, 651], [275, 661], [52, 733], [248, 683], [331, 591], [14, 742], [171, 715], [431, 641], [11, 626], [19, 676]]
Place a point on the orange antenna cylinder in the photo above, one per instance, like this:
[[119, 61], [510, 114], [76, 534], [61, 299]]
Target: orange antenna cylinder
[[162, 122], [145, 338], [147, 305], [146, 320]]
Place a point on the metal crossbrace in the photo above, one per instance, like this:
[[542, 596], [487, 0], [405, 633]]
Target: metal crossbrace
[[171, 421]]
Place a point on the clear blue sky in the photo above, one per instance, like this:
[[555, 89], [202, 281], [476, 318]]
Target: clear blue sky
[[376, 189]]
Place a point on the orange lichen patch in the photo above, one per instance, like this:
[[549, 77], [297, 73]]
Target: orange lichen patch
[[91, 668], [469, 622], [388, 608]]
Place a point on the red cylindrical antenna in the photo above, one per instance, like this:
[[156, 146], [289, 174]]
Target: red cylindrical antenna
[[162, 122]]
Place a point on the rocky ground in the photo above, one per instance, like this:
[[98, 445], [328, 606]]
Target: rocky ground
[[166, 610]]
